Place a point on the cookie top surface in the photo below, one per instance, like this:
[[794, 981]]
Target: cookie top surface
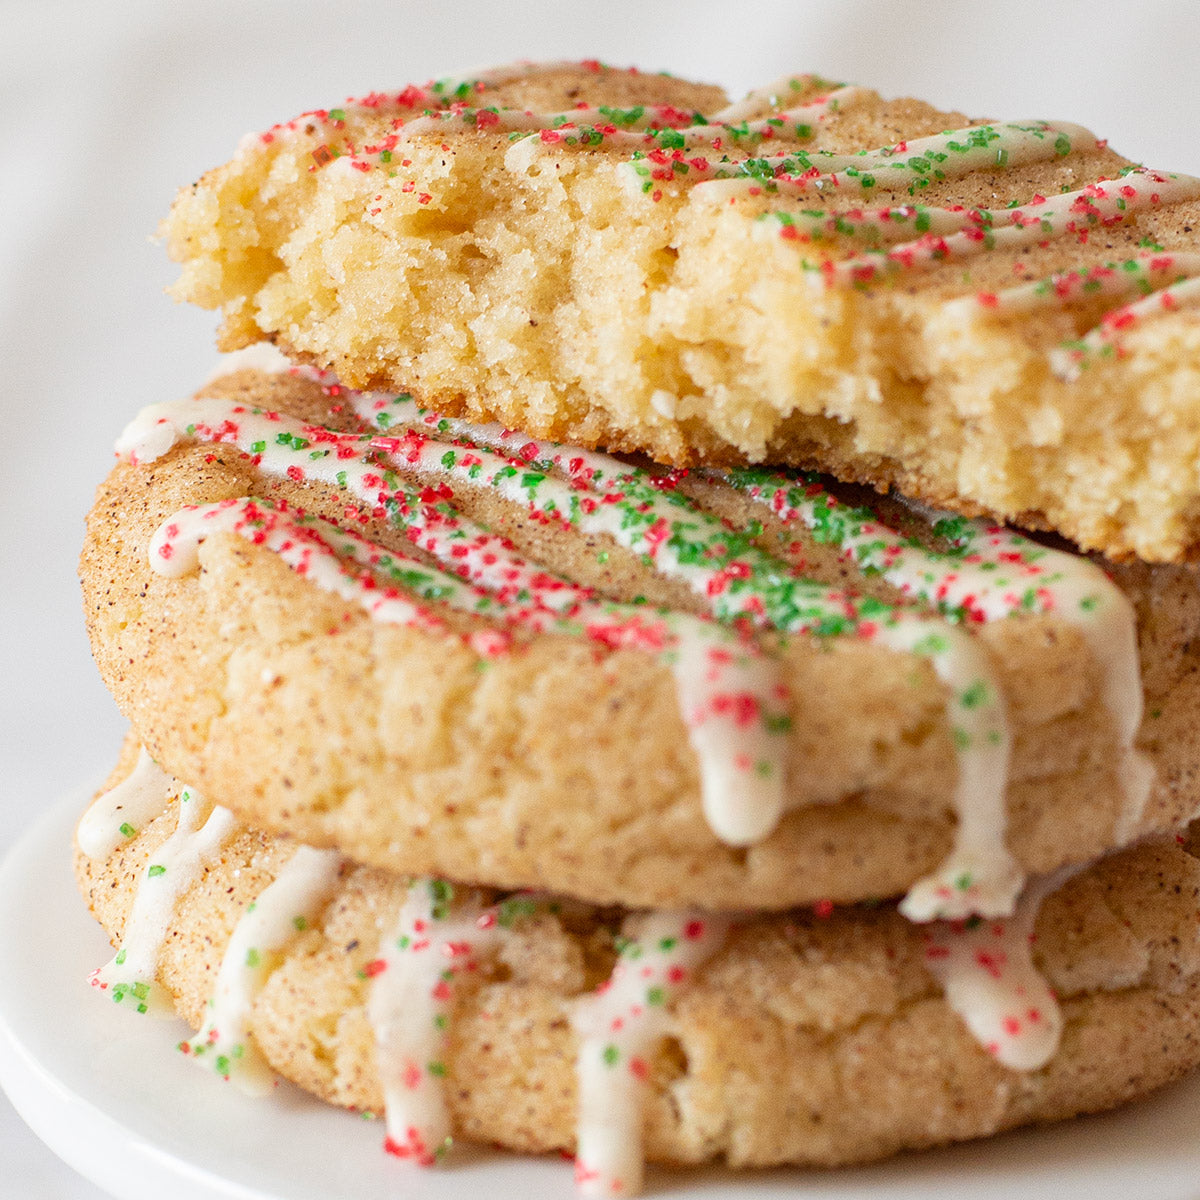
[[452, 649], [997, 315], [820, 1039]]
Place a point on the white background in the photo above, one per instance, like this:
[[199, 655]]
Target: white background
[[106, 108]]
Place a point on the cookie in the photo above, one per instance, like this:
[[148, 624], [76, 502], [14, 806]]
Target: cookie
[[543, 1024], [997, 316], [452, 650]]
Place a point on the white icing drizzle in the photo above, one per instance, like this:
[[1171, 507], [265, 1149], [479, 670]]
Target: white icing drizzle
[[461, 87], [276, 917], [123, 811], [464, 93], [917, 161], [980, 873], [772, 96], [258, 356], [618, 1027], [987, 972], [1141, 274], [412, 991], [652, 126], [954, 234], [131, 974], [1069, 361], [993, 574]]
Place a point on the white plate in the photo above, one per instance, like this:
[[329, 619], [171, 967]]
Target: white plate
[[106, 1090]]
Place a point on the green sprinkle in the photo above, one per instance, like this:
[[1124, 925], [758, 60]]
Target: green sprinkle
[[610, 1055], [127, 830], [514, 908], [156, 870], [253, 958], [627, 947]]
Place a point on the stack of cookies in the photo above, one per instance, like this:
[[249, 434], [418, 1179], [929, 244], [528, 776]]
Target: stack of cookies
[[529, 745]]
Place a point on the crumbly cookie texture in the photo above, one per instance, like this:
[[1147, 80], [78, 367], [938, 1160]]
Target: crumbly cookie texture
[[996, 319], [562, 762], [804, 1039]]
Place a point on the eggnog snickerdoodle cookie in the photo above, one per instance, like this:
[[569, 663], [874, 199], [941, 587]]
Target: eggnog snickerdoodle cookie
[[682, 1036], [454, 650], [993, 315]]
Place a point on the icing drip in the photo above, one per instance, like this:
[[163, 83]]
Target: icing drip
[[985, 967], [772, 96], [987, 972], [438, 939], [279, 914], [412, 992], [618, 1027], [650, 517], [120, 813], [196, 842], [979, 874], [988, 573]]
